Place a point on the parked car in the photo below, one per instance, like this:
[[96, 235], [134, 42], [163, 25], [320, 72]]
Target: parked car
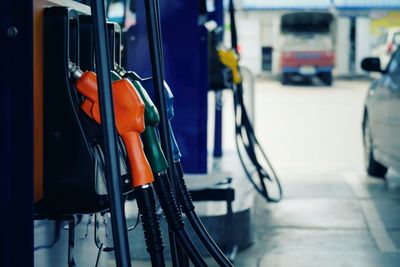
[[387, 43], [381, 124]]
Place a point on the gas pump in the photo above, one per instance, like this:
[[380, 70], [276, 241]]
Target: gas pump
[[136, 119]]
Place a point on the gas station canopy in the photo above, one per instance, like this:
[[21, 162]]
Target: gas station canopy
[[367, 4], [288, 4], [319, 4]]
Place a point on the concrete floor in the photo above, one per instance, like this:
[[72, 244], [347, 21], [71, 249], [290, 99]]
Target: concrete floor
[[332, 214]]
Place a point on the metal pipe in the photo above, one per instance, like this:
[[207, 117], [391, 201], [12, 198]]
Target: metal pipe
[[112, 171]]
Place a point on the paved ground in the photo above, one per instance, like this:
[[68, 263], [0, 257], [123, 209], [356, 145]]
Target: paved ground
[[332, 214]]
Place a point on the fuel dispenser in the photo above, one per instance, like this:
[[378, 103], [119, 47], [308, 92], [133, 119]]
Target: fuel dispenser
[[75, 181], [75, 142]]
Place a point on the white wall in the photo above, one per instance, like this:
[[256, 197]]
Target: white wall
[[249, 40], [268, 30], [275, 41], [342, 45], [363, 43]]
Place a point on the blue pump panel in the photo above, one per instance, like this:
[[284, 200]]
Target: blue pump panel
[[185, 62]]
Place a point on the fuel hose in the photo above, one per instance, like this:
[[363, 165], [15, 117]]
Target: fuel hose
[[245, 135], [166, 134]]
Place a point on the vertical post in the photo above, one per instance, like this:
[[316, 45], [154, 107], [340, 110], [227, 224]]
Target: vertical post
[[112, 170], [217, 153], [16, 134]]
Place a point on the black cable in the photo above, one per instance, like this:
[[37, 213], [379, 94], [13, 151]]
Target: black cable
[[122, 255], [243, 126], [71, 242], [97, 239], [181, 257], [152, 8], [151, 225], [174, 217], [204, 236], [245, 131], [156, 54], [131, 228], [188, 209], [99, 255], [234, 39]]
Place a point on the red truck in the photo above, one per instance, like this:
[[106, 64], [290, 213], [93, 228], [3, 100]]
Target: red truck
[[306, 47]]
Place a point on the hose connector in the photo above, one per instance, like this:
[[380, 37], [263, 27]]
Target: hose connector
[[74, 70], [120, 70]]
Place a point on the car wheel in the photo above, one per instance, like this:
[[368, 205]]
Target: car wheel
[[327, 78], [285, 79], [373, 167]]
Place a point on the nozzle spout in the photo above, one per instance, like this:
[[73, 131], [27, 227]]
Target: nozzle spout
[[121, 72], [74, 70]]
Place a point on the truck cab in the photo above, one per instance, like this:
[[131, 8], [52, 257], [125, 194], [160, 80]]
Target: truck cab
[[307, 48]]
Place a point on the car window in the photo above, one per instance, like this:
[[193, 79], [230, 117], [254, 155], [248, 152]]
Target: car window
[[381, 40], [396, 38], [394, 65]]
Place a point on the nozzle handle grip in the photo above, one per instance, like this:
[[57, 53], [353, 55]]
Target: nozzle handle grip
[[151, 144], [176, 153], [169, 99], [139, 166], [153, 150]]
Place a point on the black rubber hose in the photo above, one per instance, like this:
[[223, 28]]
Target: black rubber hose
[[188, 209], [179, 258], [151, 225], [174, 217], [243, 126]]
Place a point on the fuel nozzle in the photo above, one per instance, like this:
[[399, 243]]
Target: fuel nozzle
[[230, 59], [151, 143], [129, 118], [169, 97], [151, 109]]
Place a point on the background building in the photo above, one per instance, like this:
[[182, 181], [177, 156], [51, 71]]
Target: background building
[[356, 29]]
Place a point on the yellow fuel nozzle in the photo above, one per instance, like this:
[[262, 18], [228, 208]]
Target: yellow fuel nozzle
[[230, 59]]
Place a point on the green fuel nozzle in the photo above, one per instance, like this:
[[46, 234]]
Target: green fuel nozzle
[[151, 145], [169, 99]]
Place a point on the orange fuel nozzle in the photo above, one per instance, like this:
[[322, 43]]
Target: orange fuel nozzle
[[129, 119]]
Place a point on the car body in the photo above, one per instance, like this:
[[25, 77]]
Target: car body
[[381, 124], [306, 47], [386, 44]]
